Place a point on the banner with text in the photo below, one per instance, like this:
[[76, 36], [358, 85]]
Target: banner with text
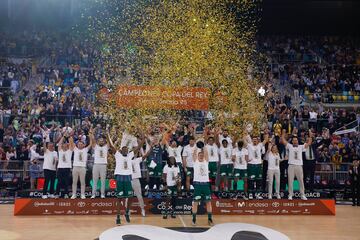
[[160, 97], [108, 206]]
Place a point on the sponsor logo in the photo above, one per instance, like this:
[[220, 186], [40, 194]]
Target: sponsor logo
[[102, 204], [295, 211], [59, 212], [260, 211], [305, 204], [70, 212], [241, 204], [43, 204], [258, 204], [289, 204], [250, 211], [81, 204], [108, 211], [238, 211], [46, 212], [275, 204], [225, 211], [64, 204], [94, 211], [284, 211], [273, 212]]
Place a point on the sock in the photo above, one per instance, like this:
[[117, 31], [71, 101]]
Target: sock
[[209, 216], [127, 211], [194, 217]]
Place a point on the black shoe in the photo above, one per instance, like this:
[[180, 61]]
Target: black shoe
[[358, 204], [354, 204], [210, 222], [164, 216], [193, 222], [173, 216], [127, 217], [118, 221]]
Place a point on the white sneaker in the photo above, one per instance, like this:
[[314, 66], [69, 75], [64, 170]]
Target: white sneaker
[[259, 197], [146, 187], [56, 196], [278, 196], [73, 197], [251, 196], [290, 197], [93, 196], [52, 196], [303, 198], [143, 212], [191, 187], [102, 196], [66, 196], [270, 197], [154, 187], [161, 187], [82, 197], [44, 197]]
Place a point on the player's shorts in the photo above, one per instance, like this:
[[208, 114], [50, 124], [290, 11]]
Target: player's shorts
[[123, 186], [157, 171], [226, 170], [254, 171], [190, 172], [240, 173], [202, 191], [213, 169], [172, 191]]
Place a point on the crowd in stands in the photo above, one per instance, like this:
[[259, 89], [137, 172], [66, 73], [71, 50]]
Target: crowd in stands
[[65, 101]]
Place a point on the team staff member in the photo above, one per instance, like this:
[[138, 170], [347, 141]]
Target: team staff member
[[201, 183], [273, 158], [295, 168], [101, 150], [354, 173], [79, 165], [49, 166], [64, 164], [135, 179], [240, 157]]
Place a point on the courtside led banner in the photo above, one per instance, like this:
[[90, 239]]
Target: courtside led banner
[[108, 206], [158, 97]]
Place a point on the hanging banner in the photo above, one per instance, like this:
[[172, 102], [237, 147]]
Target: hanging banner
[[159, 97]]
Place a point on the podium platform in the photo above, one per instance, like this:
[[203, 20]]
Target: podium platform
[[108, 206]]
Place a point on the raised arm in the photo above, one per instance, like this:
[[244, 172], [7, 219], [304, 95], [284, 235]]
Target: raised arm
[[309, 140], [111, 144], [71, 142], [283, 140]]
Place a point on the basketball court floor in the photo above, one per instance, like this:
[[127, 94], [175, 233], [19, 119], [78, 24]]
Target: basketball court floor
[[345, 225]]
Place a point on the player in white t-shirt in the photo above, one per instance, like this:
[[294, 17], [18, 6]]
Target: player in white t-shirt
[[64, 164], [226, 164], [202, 189], [172, 180], [213, 150], [49, 166], [101, 149], [175, 151], [254, 167], [188, 162], [79, 165], [295, 162], [240, 157], [123, 174], [274, 159]]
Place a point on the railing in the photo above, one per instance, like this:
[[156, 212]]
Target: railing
[[330, 173]]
